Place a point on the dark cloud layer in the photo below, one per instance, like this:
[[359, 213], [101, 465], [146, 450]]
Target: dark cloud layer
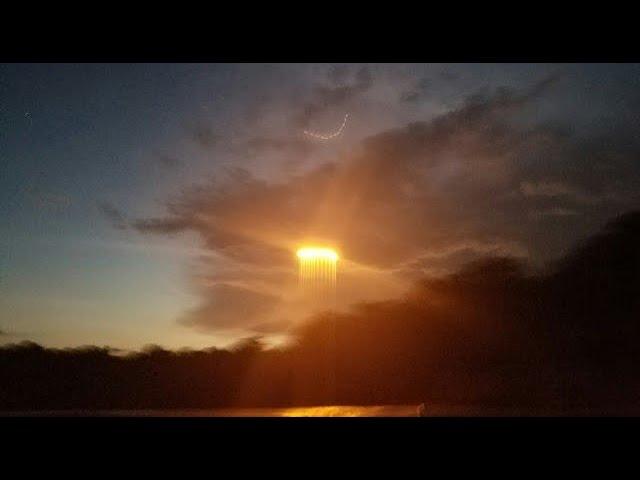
[[336, 94]]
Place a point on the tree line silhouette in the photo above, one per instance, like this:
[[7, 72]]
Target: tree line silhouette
[[491, 334]]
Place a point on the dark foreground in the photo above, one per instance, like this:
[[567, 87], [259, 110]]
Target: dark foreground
[[335, 411]]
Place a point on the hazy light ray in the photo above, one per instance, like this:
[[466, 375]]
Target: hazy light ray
[[317, 267], [320, 136]]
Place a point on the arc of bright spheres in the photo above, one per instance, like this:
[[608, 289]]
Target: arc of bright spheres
[[330, 136]]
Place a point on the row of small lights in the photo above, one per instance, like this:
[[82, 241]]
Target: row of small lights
[[328, 137]]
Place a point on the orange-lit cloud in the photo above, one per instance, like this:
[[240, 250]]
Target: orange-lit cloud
[[401, 201]]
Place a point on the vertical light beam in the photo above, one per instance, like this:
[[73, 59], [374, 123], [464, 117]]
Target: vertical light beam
[[317, 270]]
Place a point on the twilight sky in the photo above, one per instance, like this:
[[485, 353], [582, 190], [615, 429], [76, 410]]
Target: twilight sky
[[163, 203]]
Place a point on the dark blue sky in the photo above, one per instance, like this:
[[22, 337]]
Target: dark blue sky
[[90, 154]]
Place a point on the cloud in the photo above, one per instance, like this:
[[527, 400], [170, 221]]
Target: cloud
[[337, 74], [226, 304], [463, 184], [556, 212], [161, 225], [418, 93], [300, 147], [327, 97], [113, 215], [559, 190], [445, 260], [396, 168], [449, 76], [546, 189]]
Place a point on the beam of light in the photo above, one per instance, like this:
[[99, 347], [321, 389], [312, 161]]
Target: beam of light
[[329, 136], [317, 273]]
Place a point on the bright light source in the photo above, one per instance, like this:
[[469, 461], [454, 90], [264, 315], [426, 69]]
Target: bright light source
[[318, 273], [317, 253]]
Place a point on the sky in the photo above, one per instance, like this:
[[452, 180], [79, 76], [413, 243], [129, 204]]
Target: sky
[[163, 203]]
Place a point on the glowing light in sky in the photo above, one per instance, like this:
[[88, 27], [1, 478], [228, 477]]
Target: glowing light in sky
[[320, 136], [318, 272], [317, 252]]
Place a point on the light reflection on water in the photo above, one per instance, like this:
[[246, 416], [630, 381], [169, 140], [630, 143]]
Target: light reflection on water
[[350, 411]]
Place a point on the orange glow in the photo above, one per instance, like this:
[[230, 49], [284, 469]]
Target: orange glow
[[309, 253], [318, 273]]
